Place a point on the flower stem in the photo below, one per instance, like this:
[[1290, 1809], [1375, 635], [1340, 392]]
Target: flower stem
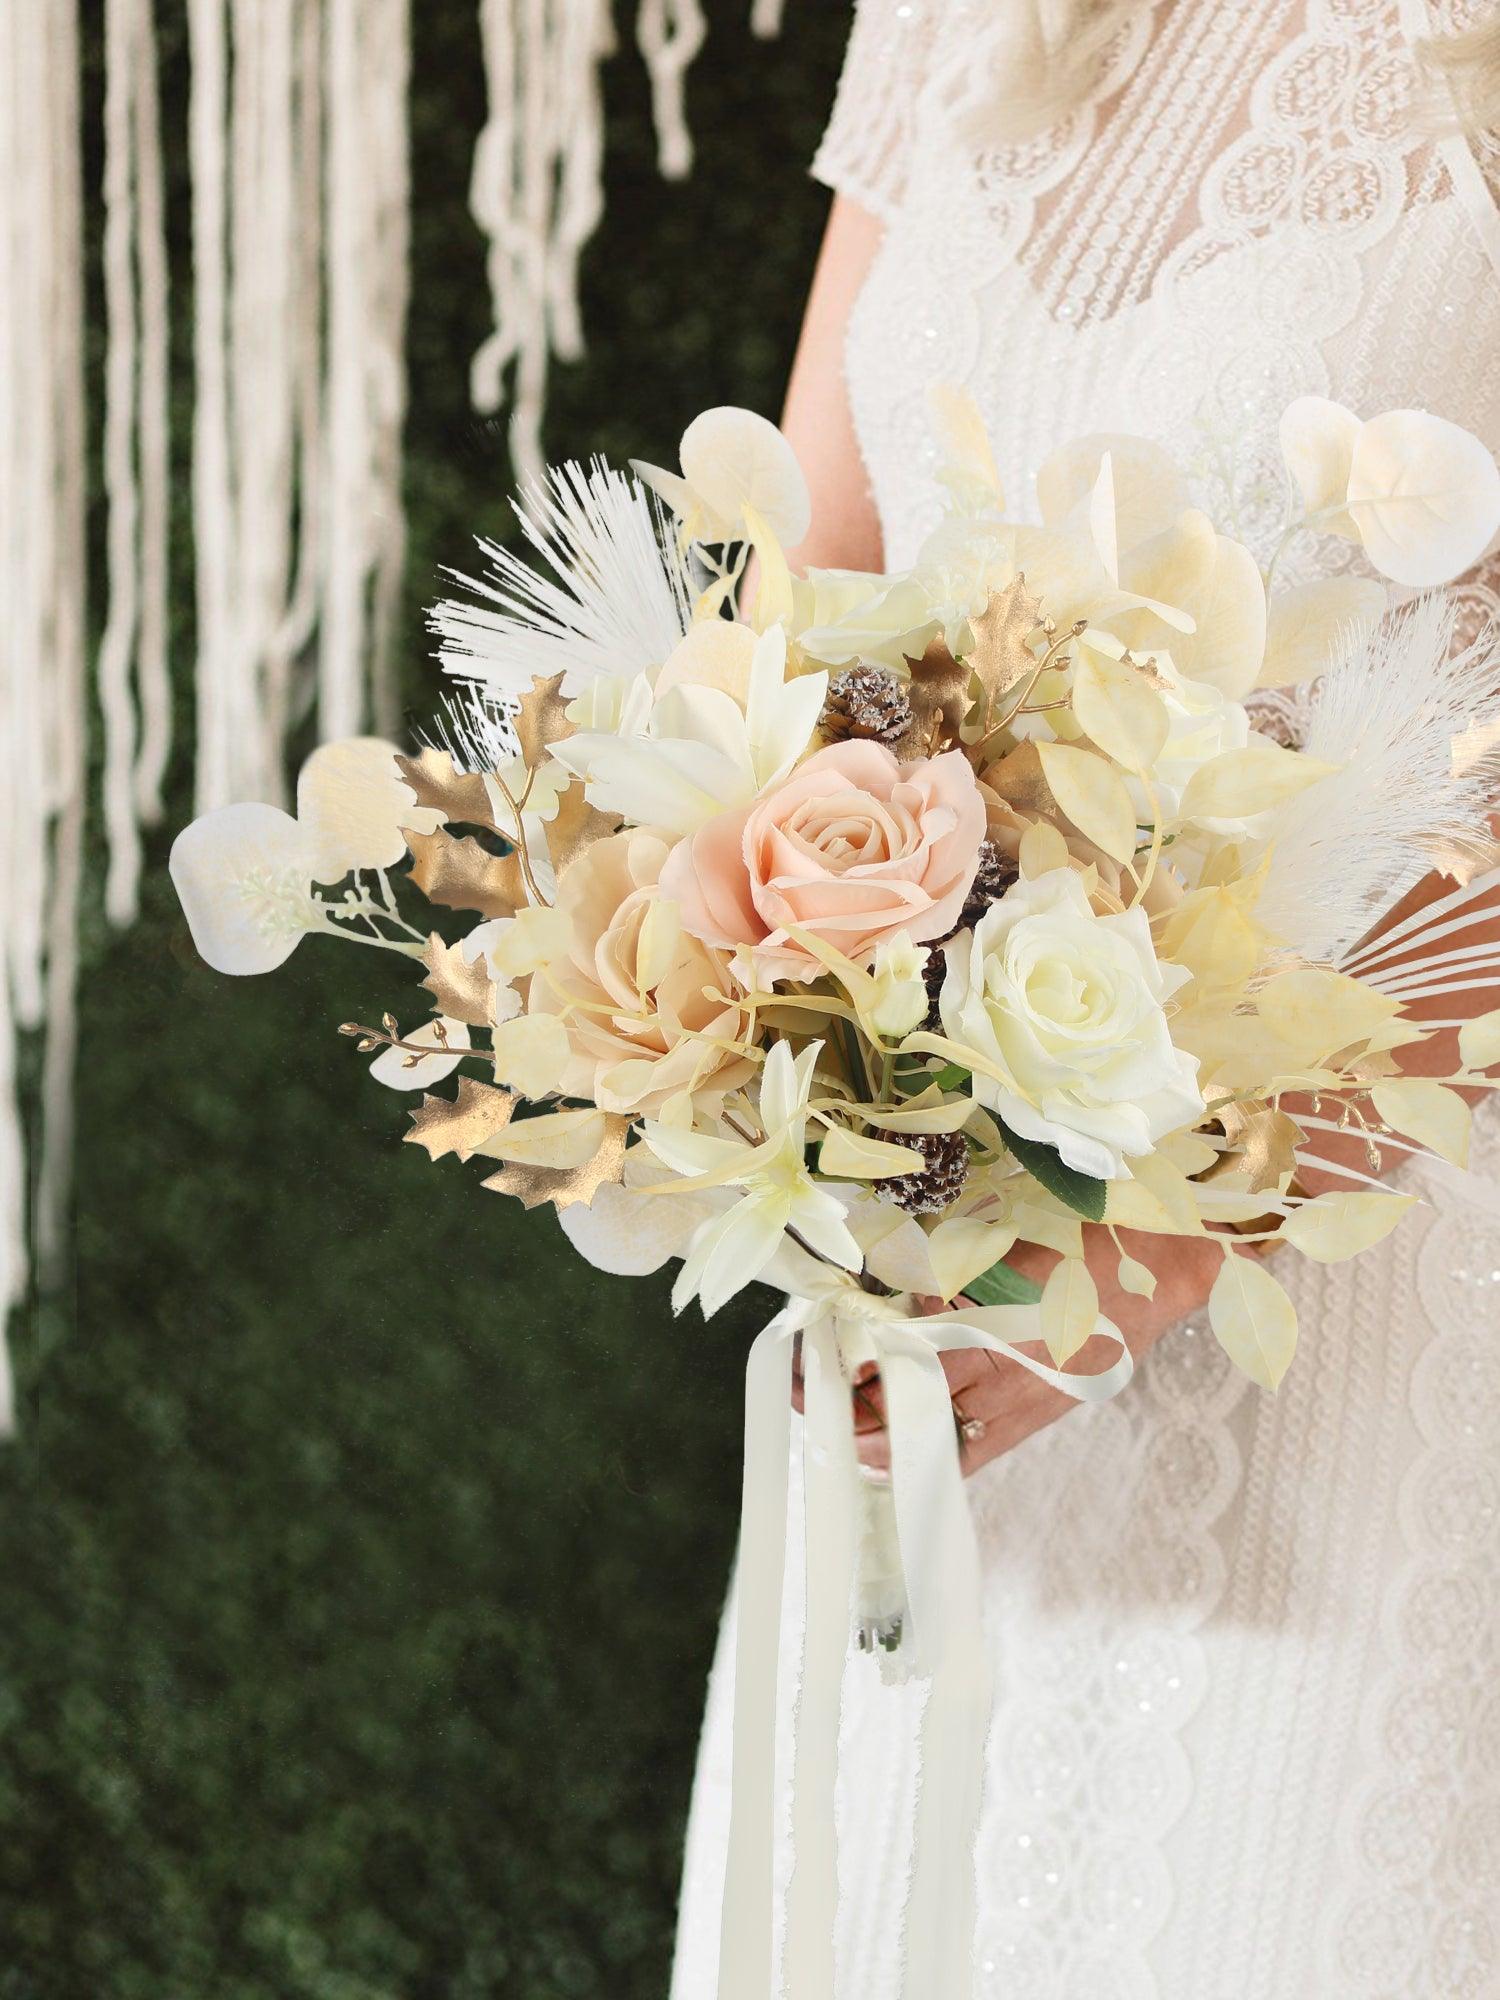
[[332, 927]]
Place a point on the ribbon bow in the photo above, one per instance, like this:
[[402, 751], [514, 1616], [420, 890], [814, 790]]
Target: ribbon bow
[[843, 1328]]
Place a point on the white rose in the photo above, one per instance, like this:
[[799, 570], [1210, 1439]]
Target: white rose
[[1068, 1007]]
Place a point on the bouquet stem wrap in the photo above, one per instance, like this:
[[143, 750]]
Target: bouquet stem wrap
[[843, 1328]]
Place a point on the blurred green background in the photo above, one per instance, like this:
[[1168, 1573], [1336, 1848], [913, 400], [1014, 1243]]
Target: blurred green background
[[361, 1548]]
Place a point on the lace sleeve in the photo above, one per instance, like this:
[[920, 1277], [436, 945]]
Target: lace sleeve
[[867, 146]]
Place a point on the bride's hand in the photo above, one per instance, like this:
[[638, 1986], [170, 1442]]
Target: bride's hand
[[997, 1404]]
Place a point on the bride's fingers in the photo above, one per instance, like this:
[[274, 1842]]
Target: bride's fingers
[[874, 1448]]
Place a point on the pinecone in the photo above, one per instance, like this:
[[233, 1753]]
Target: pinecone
[[934, 972], [866, 702], [993, 877], [941, 1179]]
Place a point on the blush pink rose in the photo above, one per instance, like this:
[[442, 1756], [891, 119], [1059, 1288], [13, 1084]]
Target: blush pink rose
[[854, 846]]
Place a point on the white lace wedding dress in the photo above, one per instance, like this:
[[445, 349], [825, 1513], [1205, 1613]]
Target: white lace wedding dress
[[1246, 1742]]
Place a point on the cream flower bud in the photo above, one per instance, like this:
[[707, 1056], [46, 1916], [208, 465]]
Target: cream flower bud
[[899, 1001]]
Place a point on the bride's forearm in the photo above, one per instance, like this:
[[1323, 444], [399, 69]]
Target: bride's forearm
[[818, 420]]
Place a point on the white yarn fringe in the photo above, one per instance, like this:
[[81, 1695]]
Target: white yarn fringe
[[298, 138], [298, 142], [135, 695], [42, 589], [537, 190]]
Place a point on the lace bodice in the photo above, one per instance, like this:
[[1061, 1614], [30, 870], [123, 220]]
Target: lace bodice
[[1252, 207], [1246, 1741]]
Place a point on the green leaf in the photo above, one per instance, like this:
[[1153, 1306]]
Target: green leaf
[[950, 1076], [1001, 1286], [1082, 1192]]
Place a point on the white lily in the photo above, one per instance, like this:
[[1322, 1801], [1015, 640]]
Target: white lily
[[728, 1251], [702, 749]]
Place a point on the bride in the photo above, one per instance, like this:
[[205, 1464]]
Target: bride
[[1246, 1743]]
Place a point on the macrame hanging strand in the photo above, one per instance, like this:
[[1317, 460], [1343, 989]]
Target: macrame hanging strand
[[134, 694], [765, 18], [537, 189], [42, 587], [669, 33], [299, 137], [298, 150], [214, 533], [263, 221], [535, 192], [366, 75]]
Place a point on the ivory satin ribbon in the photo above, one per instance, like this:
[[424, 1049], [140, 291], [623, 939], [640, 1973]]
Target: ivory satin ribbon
[[842, 1329]]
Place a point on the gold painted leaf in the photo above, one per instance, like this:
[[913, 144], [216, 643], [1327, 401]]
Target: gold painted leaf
[[1264, 1146], [1019, 779], [575, 826], [1001, 657], [457, 987], [939, 698], [566, 1186], [461, 1124], [462, 875], [459, 795], [541, 720]]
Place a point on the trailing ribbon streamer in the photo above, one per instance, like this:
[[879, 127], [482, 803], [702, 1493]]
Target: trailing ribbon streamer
[[843, 1328]]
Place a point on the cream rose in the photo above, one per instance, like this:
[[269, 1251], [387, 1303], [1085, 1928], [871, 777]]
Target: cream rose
[[854, 846], [635, 992], [1067, 1006]]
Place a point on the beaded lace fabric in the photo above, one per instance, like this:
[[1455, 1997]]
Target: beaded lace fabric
[[1246, 1742]]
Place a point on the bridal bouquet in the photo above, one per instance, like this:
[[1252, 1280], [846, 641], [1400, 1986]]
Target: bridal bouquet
[[845, 931]]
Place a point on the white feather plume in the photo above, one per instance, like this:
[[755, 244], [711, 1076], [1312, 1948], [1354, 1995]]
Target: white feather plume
[[617, 600], [476, 729], [1349, 847]]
